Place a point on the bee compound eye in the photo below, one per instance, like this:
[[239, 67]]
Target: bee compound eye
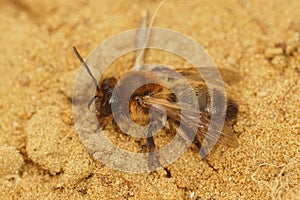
[[105, 89], [107, 85], [138, 100]]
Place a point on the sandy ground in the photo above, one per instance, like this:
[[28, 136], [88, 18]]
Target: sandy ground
[[41, 156]]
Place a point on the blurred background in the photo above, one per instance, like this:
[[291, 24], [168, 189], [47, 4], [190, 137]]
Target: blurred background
[[41, 156]]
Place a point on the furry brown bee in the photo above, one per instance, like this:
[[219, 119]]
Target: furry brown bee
[[162, 99], [149, 102]]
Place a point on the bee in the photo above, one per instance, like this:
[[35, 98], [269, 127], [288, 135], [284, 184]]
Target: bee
[[150, 101]]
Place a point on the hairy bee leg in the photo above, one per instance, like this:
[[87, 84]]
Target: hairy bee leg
[[151, 144], [209, 164], [115, 125], [198, 145], [231, 110], [103, 123], [152, 155]]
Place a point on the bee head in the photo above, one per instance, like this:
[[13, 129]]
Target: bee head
[[103, 93], [103, 97]]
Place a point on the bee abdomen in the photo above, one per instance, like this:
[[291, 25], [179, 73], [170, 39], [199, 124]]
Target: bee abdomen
[[231, 110]]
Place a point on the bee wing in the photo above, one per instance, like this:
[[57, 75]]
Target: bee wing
[[191, 121], [228, 76]]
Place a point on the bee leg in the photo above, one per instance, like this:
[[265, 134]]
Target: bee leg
[[231, 110], [151, 144], [102, 123], [153, 159], [171, 128], [115, 125], [198, 145], [209, 164]]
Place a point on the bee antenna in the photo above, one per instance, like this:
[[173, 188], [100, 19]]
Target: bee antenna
[[86, 67], [143, 44]]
